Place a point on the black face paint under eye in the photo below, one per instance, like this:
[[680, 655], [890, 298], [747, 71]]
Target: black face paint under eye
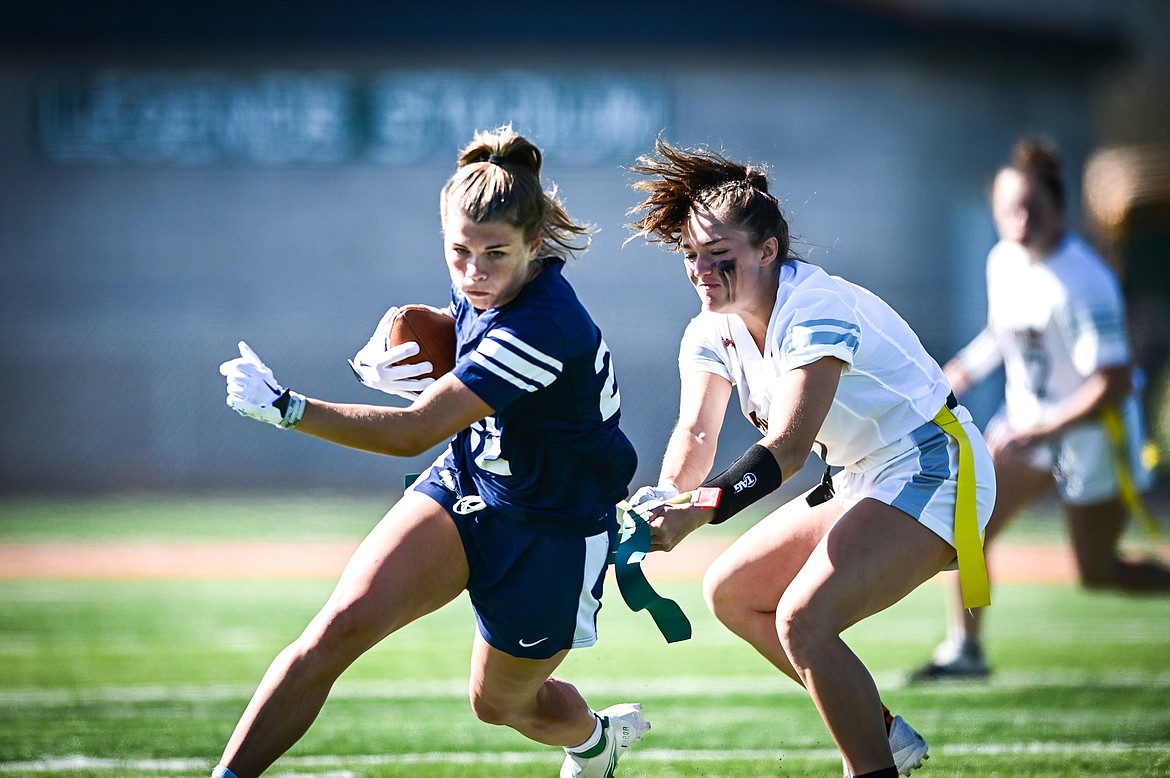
[[726, 270]]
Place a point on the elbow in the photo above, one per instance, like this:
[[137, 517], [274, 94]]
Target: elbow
[[409, 446], [789, 458], [414, 433], [790, 463]]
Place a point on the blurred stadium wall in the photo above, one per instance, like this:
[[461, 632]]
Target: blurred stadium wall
[[175, 177]]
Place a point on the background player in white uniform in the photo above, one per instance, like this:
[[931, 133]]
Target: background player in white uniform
[[532, 394], [1056, 322], [819, 364]]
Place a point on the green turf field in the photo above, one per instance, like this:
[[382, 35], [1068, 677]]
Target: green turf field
[[110, 678]]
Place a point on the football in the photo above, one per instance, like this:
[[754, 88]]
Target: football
[[432, 330]]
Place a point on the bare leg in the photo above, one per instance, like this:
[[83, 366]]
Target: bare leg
[[872, 558], [794, 582], [521, 694], [1096, 531], [412, 563], [744, 584]]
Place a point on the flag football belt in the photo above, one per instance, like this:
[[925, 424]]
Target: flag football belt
[[968, 543], [633, 546], [1115, 429]]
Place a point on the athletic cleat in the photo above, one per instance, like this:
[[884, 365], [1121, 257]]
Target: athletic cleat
[[908, 747], [951, 661], [621, 726]]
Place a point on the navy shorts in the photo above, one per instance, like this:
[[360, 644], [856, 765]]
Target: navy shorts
[[535, 591]]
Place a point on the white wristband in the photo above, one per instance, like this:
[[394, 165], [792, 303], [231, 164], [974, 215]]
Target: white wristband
[[294, 412]]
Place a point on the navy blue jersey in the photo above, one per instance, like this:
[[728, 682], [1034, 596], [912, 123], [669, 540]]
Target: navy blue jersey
[[553, 452]]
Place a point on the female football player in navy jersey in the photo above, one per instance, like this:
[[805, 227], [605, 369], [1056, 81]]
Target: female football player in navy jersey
[[819, 364], [519, 508]]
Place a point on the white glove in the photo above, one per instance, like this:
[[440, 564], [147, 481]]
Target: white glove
[[376, 366], [654, 494], [252, 389]]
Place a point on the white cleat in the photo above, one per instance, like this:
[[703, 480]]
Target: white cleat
[[909, 748], [621, 726]]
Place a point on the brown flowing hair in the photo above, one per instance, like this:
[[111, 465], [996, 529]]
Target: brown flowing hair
[[681, 180]]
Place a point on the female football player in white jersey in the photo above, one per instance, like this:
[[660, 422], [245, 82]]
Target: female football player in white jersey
[[819, 365], [519, 510], [1056, 321]]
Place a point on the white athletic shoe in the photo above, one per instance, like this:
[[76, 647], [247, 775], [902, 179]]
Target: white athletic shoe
[[621, 726], [908, 746], [954, 660]]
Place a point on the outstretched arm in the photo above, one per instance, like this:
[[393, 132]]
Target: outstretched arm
[[443, 409], [1108, 386], [800, 401], [695, 439]]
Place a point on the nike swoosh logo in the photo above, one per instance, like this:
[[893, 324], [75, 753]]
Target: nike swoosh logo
[[526, 644]]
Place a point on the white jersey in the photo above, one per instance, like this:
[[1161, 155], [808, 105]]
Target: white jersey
[[1053, 323], [889, 386]]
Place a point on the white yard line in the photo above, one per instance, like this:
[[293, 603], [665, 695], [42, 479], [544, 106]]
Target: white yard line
[[198, 766]]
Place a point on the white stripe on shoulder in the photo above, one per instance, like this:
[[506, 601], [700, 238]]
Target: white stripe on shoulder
[[503, 360], [500, 372], [506, 337]]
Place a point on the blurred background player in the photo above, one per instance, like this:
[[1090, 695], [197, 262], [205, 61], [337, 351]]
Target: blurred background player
[[1056, 321], [519, 508], [819, 364]]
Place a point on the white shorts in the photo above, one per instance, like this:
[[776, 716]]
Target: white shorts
[[918, 475], [1082, 460]]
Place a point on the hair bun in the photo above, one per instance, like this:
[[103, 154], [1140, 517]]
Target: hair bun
[[757, 178]]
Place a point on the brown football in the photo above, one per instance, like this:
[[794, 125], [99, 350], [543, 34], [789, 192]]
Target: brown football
[[432, 330]]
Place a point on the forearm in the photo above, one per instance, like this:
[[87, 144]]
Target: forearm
[[785, 449], [442, 410], [690, 453], [689, 457], [377, 429], [1108, 386], [974, 362], [959, 379]]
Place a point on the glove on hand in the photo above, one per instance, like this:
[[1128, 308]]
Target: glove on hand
[[251, 387], [654, 494], [376, 366]]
